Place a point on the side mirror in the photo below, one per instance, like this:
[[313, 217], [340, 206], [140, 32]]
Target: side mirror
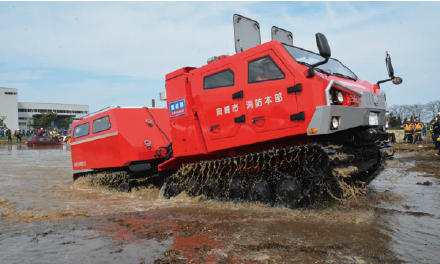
[[397, 80], [324, 51], [389, 66], [323, 47]]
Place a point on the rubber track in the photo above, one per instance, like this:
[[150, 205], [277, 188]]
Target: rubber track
[[122, 180], [317, 169]]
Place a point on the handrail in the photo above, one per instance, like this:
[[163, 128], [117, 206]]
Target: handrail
[[341, 86], [93, 113]]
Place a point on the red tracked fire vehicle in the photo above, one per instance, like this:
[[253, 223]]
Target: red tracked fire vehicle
[[273, 123]]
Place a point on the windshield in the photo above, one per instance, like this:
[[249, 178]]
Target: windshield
[[332, 67]]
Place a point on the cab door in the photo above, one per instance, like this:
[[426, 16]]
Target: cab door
[[270, 99], [219, 104]]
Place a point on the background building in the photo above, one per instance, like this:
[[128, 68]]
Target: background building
[[18, 114], [9, 106], [29, 110]]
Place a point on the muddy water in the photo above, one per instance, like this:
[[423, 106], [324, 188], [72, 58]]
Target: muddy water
[[47, 218], [412, 217]]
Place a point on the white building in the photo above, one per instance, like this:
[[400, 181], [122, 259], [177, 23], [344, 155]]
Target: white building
[[9, 106], [18, 114]]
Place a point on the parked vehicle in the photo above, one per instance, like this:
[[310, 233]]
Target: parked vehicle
[[41, 141], [274, 123]]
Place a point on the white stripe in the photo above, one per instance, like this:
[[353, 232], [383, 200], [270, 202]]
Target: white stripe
[[95, 138]]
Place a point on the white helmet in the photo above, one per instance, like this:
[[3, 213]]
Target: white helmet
[[438, 114]]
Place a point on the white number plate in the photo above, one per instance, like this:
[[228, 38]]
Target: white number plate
[[374, 119]]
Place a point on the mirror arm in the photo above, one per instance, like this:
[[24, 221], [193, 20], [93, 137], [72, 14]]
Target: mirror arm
[[311, 71], [383, 81]]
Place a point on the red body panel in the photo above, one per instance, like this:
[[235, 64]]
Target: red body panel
[[123, 142]]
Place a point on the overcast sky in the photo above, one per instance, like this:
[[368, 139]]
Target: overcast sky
[[118, 53]]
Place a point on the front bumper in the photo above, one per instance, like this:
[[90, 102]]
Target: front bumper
[[349, 117]]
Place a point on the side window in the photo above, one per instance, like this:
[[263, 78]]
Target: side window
[[81, 130], [219, 79], [48, 139], [264, 69], [101, 124], [41, 139]]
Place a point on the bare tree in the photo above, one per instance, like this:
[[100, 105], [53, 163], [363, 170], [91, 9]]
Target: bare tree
[[407, 112], [417, 109], [432, 108], [397, 111], [2, 124], [424, 112]]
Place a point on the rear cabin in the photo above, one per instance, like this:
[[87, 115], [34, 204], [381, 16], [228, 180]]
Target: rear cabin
[[119, 138]]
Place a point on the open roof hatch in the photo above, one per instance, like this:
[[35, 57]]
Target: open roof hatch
[[282, 35], [246, 33]]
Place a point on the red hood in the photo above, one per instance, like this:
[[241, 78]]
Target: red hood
[[357, 85]]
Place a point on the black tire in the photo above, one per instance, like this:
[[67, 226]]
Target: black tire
[[193, 188], [234, 188], [259, 191], [172, 189], [288, 192], [212, 188]]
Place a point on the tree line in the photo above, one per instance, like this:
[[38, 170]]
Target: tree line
[[47, 119], [399, 114], [2, 124]]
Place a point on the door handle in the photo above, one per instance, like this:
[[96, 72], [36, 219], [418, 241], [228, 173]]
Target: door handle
[[238, 94], [240, 119], [257, 119], [214, 127]]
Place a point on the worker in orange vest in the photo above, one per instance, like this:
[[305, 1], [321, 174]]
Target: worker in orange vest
[[408, 127], [418, 128]]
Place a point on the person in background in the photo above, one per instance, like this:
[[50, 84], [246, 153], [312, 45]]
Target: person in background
[[408, 127], [424, 128], [18, 135], [431, 129], [9, 135], [436, 129], [418, 131], [55, 135]]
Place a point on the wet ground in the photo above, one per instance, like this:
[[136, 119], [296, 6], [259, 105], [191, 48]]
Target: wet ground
[[47, 218]]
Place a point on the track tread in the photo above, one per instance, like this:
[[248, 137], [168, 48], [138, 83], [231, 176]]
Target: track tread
[[312, 165]]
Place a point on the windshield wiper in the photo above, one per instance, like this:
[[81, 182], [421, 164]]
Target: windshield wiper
[[321, 70], [344, 76]]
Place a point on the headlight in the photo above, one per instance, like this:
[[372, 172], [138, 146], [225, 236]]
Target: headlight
[[387, 115], [335, 123], [339, 98], [336, 97], [373, 119]]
